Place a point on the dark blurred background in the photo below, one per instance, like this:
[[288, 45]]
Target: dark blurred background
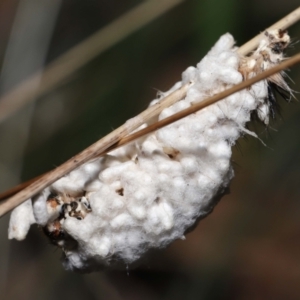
[[248, 248]]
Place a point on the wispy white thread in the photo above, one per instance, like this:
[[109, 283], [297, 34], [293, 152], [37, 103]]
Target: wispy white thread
[[110, 211]]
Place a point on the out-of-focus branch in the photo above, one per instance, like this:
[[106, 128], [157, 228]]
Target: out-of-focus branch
[[26, 52], [80, 55], [118, 137]]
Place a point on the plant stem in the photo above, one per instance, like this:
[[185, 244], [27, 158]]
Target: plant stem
[[116, 138]]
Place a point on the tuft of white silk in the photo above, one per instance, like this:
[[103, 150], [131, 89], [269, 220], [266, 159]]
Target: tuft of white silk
[[147, 194]]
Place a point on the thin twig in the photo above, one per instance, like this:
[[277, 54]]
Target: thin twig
[[115, 139], [287, 21], [209, 101], [283, 24], [12, 191], [80, 55], [144, 117], [94, 150], [121, 138]]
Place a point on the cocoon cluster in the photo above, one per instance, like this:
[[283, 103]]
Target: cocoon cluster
[[113, 209]]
